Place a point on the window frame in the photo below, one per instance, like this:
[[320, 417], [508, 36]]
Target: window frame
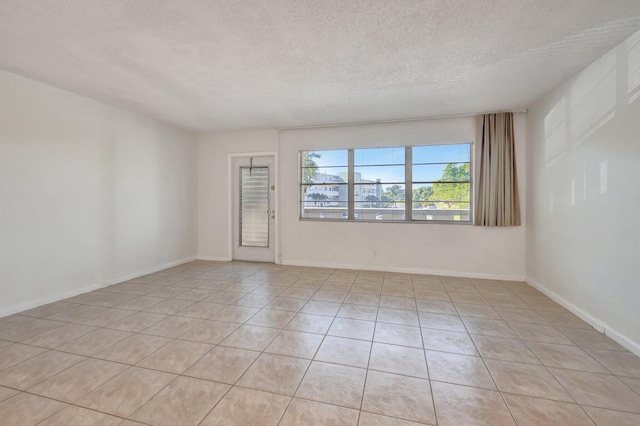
[[408, 185]]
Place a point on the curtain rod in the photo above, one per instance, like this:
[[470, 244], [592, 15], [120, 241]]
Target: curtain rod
[[399, 120]]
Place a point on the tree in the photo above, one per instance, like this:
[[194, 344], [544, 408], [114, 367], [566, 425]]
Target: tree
[[309, 165], [422, 194], [394, 193], [318, 197], [372, 199], [447, 190]]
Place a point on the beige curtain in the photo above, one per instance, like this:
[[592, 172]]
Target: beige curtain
[[497, 200]]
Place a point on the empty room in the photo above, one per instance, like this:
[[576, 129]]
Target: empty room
[[373, 213]]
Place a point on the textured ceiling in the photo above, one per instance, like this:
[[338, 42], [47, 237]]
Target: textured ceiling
[[229, 64]]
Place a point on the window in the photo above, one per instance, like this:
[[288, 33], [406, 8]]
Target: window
[[430, 183]]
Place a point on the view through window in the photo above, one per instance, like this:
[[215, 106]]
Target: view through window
[[398, 184]]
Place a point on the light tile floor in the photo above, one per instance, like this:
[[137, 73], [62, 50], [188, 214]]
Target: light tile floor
[[236, 343]]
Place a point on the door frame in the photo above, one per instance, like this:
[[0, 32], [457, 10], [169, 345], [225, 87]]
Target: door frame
[[276, 201]]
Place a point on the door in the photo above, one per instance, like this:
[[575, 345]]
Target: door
[[253, 208]]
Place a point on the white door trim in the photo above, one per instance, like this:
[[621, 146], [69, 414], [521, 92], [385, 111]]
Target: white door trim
[[230, 190]]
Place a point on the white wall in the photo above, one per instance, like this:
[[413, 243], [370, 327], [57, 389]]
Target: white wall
[[429, 248], [213, 211], [424, 247], [89, 194], [583, 233]]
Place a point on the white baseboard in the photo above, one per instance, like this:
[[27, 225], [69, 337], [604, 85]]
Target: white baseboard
[[406, 270], [14, 309], [598, 325]]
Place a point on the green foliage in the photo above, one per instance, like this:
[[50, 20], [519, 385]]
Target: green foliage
[[393, 193], [422, 194], [309, 165], [318, 197], [446, 190]]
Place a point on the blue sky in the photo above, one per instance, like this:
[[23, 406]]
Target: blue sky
[[391, 157]]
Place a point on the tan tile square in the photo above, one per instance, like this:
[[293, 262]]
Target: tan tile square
[[359, 312], [604, 417], [310, 323], [478, 311], [237, 314], [487, 327], [321, 308], [175, 357], [169, 306], [565, 356], [254, 300], [402, 291], [526, 379], [78, 416], [632, 383], [370, 419], [223, 364], [75, 382], [172, 326], [333, 384], [137, 322], [398, 360], [127, 392], [436, 306], [339, 350], [140, 303], [398, 302], [432, 294], [27, 410], [6, 393], [107, 317], [185, 401], [15, 353], [251, 337], [504, 349], [58, 336], [521, 315], [286, 304], [298, 292], [295, 343], [94, 342], [242, 407], [27, 328], [463, 405], [598, 390], [404, 397], [368, 298], [564, 319], [352, 328], [459, 369], [271, 318], [326, 295], [539, 333], [302, 412], [212, 332], [398, 316], [134, 349], [441, 322], [275, 373], [78, 312], [203, 310], [37, 369], [398, 335], [448, 341], [542, 412], [195, 294], [590, 338], [619, 363], [468, 298]]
